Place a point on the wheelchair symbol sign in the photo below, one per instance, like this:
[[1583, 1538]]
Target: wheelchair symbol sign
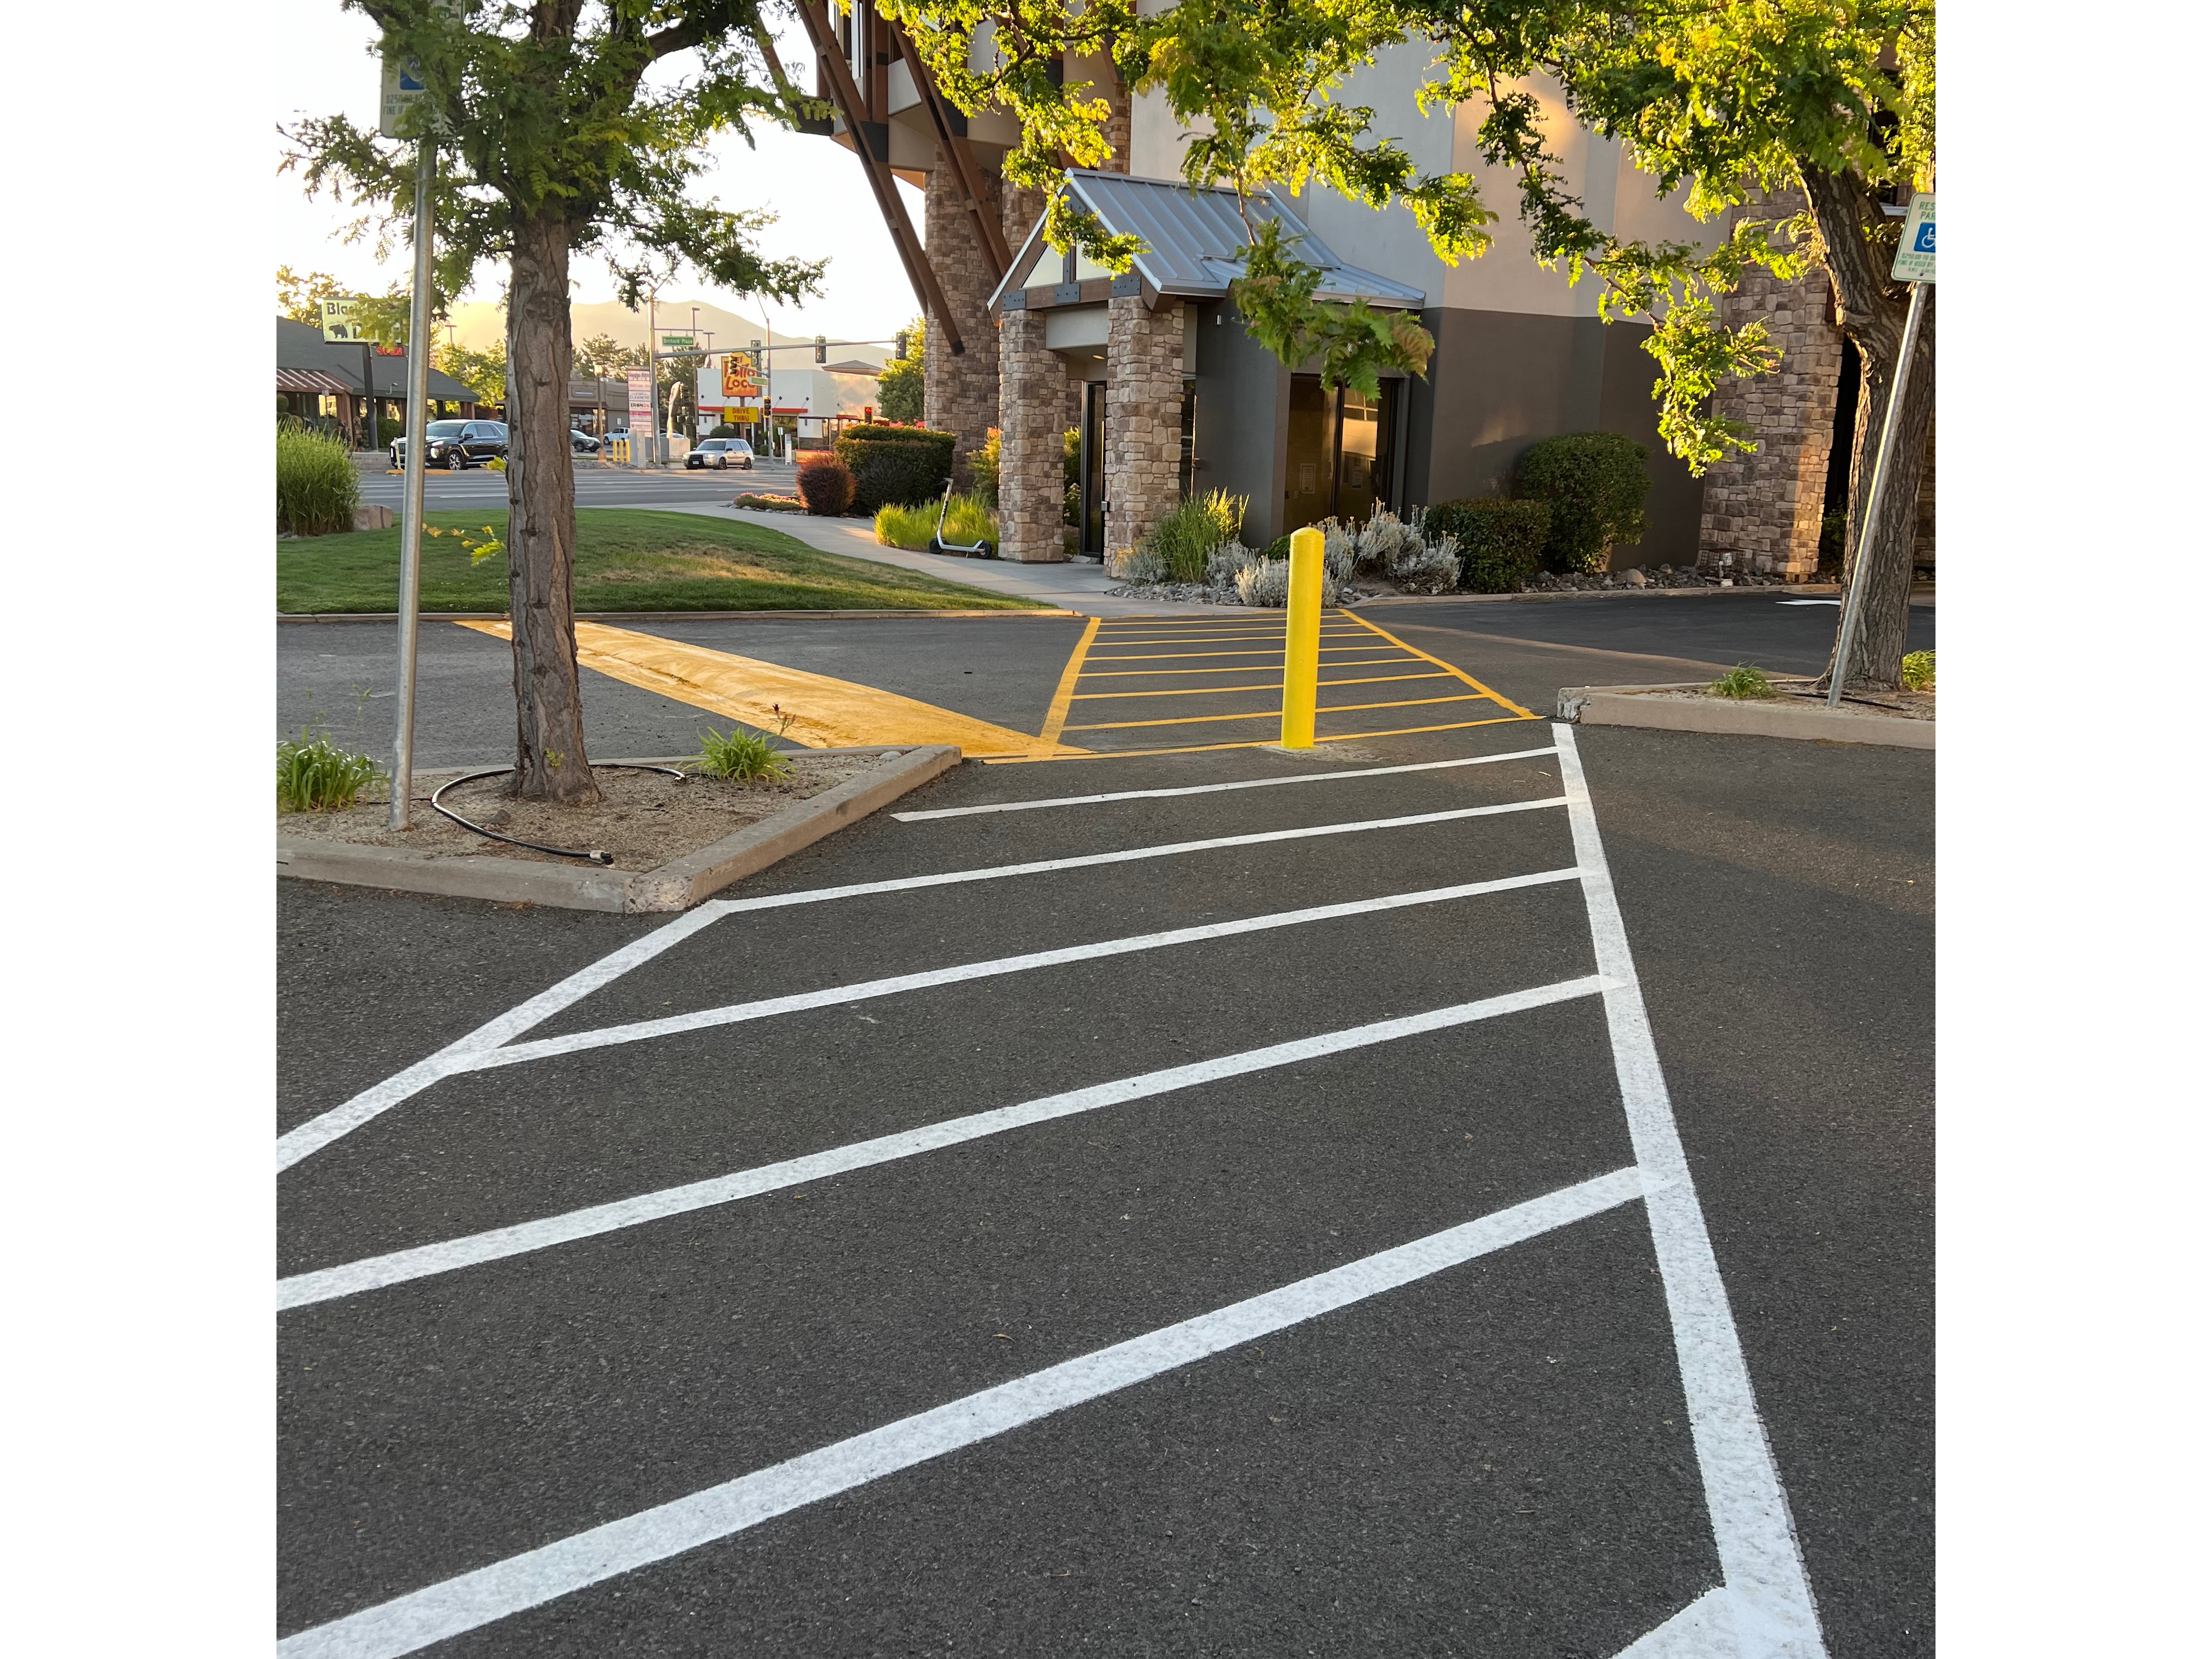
[[1916, 248]]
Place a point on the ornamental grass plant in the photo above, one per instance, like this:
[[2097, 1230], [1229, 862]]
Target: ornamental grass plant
[[317, 488]]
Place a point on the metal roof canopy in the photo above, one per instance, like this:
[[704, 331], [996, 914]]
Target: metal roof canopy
[[1194, 240]]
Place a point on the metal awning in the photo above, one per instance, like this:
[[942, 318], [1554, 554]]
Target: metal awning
[[1194, 240], [314, 380]]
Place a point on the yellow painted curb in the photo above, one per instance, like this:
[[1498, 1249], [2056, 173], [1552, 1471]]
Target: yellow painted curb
[[824, 713]]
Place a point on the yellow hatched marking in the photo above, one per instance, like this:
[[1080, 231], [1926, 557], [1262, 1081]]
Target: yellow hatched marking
[[1156, 673], [1256, 743], [1456, 673], [1217, 638], [823, 713], [1170, 656], [1056, 715], [1271, 714], [1221, 690]]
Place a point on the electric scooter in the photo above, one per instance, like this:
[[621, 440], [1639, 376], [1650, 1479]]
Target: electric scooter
[[981, 549]]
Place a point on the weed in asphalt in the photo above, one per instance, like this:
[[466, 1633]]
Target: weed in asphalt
[[1741, 682], [741, 755]]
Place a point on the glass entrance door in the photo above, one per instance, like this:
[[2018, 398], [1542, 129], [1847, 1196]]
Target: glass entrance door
[[1338, 458], [1092, 541]]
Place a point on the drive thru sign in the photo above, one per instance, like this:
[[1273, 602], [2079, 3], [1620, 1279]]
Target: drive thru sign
[[1916, 249]]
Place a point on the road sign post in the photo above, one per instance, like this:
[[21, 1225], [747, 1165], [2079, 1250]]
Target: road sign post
[[1915, 263], [410, 512]]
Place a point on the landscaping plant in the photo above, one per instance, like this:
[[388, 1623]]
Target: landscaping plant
[[1918, 670], [983, 463], [968, 520], [740, 754], [895, 465], [317, 488], [1595, 484], [825, 484], [314, 775], [1197, 526], [1501, 542], [1743, 682]]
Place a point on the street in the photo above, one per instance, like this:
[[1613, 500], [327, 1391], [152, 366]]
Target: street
[[1462, 1192], [596, 486]]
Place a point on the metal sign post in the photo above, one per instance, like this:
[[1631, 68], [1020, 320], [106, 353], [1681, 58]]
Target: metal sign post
[[1915, 263], [410, 512]]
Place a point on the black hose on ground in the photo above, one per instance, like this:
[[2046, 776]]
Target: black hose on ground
[[474, 829]]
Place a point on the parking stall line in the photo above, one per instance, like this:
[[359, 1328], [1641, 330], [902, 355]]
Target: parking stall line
[[473, 1599], [499, 1244], [1220, 788]]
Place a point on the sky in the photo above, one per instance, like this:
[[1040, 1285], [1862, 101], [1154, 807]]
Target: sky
[[814, 186]]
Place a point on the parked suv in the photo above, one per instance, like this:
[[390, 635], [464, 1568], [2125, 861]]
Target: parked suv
[[719, 453], [454, 445]]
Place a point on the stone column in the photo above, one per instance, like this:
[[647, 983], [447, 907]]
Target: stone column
[[959, 395], [1031, 397], [1144, 416], [1117, 122], [1762, 511]]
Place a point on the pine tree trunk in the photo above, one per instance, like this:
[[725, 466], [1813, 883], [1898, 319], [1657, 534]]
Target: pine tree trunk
[[1872, 311], [550, 764]]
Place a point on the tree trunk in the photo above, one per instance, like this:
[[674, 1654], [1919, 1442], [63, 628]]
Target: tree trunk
[[1872, 314], [549, 763]]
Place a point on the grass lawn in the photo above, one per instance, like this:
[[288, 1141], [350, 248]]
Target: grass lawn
[[627, 559]]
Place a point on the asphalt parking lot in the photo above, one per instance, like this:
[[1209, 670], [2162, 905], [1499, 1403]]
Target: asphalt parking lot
[[1275, 1246]]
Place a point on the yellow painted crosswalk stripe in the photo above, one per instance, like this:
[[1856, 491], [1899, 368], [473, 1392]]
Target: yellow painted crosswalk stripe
[[824, 713]]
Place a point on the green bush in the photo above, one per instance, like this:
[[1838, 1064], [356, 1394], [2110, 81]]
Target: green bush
[[1835, 531], [1198, 524], [968, 520], [1595, 484], [726, 429], [1501, 542], [1743, 682], [984, 464], [740, 755], [1278, 549], [317, 488], [1918, 672], [825, 484], [897, 466], [315, 775]]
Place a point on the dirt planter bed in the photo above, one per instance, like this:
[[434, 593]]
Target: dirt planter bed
[[1689, 708], [672, 849]]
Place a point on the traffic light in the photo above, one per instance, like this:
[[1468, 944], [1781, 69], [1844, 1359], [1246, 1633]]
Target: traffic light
[[898, 348], [821, 348]]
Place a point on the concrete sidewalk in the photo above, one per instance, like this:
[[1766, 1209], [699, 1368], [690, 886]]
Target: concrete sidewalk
[[1078, 588]]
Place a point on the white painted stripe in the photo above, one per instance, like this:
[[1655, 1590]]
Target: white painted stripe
[[473, 1599], [835, 996], [318, 1131], [374, 1272], [1768, 1594], [1212, 788], [1701, 1631], [1127, 855]]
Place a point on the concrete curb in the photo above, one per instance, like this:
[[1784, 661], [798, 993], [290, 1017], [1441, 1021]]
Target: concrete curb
[[676, 885], [617, 616], [1625, 705]]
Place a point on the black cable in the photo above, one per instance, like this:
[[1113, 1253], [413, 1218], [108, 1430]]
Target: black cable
[[504, 771]]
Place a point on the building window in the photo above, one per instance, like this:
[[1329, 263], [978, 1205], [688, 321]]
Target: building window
[[1186, 479]]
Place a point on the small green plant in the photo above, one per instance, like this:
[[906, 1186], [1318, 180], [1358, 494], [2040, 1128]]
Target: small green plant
[[1919, 670], [1743, 682], [741, 755], [478, 551], [314, 775], [1198, 526], [968, 520], [984, 464], [317, 487]]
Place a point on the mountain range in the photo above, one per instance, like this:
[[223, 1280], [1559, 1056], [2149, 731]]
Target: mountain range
[[483, 324]]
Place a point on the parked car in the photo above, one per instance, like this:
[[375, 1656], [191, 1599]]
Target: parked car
[[454, 445], [582, 443], [719, 452]]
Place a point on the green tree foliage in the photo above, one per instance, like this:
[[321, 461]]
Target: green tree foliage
[[300, 298], [484, 373], [602, 358], [899, 397], [557, 141]]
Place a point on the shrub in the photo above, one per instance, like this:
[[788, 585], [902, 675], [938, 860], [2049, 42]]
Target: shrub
[[1742, 683], [897, 466], [1136, 564], [984, 464], [771, 503], [317, 488], [741, 755], [1427, 566], [825, 484], [1265, 583], [1278, 549], [726, 429], [1225, 564], [1595, 484], [1501, 542], [1198, 524], [315, 775], [1919, 670], [1835, 529]]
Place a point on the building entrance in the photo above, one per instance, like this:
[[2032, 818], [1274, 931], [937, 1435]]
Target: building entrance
[[1340, 453], [1091, 540]]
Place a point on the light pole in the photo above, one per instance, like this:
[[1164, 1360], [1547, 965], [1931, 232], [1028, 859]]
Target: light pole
[[410, 523]]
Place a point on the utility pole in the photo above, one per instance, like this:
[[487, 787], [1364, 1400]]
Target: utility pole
[[410, 522]]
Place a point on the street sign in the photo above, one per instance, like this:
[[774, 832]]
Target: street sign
[[337, 322], [679, 342], [402, 90], [1916, 249]]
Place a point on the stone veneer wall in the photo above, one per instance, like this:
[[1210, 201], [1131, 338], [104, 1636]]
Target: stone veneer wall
[[1762, 511], [1144, 417], [1030, 485], [960, 394]]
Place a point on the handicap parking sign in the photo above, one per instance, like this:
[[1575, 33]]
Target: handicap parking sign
[[1916, 249]]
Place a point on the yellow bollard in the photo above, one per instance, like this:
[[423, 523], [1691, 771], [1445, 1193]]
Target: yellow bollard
[[1302, 640]]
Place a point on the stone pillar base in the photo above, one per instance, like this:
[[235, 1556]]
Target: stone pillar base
[[1031, 397], [1144, 418]]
